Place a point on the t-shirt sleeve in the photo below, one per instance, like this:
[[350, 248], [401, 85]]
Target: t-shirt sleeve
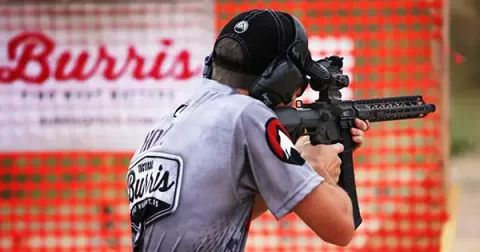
[[281, 176]]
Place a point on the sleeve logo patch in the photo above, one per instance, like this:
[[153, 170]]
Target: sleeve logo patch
[[280, 143]]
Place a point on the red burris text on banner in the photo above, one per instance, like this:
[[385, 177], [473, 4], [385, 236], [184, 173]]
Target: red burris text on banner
[[38, 48]]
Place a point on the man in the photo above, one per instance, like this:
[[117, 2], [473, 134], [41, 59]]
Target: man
[[222, 158]]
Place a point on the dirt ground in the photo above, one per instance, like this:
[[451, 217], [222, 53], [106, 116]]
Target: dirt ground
[[466, 173]]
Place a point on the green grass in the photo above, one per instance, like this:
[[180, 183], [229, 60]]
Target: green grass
[[465, 122]]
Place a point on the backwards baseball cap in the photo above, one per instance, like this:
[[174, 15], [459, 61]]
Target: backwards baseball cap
[[264, 35]]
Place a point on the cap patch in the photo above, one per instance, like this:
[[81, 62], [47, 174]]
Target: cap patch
[[241, 27], [280, 143]]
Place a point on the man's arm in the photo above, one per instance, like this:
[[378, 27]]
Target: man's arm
[[334, 224], [286, 182], [260, 207], [327, 210]]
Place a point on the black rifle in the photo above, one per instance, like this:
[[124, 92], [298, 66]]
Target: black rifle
[[328, 120]]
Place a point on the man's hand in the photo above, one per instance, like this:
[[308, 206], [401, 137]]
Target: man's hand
[[323, 158], [359, 131]]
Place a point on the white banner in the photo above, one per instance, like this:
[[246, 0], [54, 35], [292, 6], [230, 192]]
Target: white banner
[[96, 77]]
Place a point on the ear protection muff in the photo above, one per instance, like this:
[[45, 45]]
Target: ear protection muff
[[286, 73], [300, 52], [207, 69]]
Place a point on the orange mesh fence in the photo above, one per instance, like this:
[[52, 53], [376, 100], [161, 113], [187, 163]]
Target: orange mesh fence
[[76, 201], [64, 201], [398, 170]]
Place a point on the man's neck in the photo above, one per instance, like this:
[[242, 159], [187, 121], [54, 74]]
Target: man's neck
[[242, 91]]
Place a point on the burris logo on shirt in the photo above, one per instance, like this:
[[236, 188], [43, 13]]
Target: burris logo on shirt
[[153, 187], [280, 143]]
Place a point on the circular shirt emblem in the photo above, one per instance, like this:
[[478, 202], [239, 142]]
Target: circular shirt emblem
[[241, 27], [280, 143]]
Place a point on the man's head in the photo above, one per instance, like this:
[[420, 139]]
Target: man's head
[[255, 41], [231, 50]]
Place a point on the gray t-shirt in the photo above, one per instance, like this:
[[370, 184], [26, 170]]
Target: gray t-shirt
[[192, 182]]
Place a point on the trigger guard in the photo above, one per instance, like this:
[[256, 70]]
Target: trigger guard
[[296, 134]]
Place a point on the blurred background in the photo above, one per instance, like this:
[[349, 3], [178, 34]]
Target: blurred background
[[81, 82], [465, 153]]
